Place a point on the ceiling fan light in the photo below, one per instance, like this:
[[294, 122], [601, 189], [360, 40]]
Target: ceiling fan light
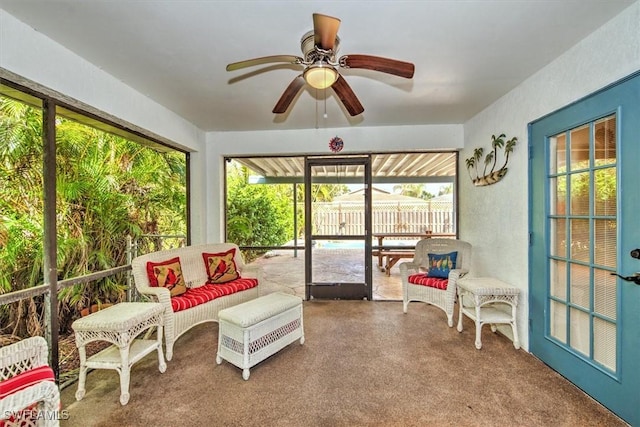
[[320, 75]]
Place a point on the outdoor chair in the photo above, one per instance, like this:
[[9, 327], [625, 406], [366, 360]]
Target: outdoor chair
[[29, 395], [432, 275]]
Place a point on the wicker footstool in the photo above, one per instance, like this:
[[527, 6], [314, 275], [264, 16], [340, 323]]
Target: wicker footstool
[[252, 331]]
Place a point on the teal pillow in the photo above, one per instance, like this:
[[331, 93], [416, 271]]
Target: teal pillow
[[441, 264]]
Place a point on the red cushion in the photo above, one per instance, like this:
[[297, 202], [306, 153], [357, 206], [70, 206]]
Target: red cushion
[[208, 292], [432, 282], [25, 379]]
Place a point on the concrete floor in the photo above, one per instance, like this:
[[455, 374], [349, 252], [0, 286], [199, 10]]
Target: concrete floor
[[285, 272]]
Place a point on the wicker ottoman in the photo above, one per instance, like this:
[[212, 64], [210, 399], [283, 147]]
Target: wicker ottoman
[[252, 331]]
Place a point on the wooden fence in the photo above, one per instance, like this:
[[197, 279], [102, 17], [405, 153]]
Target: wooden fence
[[348, 218]]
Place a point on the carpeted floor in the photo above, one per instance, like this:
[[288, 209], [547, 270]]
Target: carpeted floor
[[362, 364]]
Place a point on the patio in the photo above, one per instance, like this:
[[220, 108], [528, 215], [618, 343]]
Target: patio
[[285, 272]]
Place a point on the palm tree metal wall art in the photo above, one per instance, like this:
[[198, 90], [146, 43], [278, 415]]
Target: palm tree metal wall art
[[498, 143]]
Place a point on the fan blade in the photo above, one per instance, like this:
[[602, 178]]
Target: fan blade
[[325, 29], [289, 94], [385, 65], [346, 95], [264, 60]]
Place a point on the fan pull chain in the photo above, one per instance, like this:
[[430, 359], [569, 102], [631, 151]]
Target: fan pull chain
[[325, 104], [325, 95]]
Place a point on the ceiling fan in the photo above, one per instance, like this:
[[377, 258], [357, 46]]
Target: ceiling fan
[[319, 48]]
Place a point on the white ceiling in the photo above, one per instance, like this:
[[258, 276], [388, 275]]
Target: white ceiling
[[467, 53]]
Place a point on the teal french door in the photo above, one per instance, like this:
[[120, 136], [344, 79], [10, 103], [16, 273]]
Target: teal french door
[[584, 232]]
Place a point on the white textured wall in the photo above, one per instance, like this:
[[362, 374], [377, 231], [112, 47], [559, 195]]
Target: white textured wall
[[315, 141], [35, 57], [495, 218]]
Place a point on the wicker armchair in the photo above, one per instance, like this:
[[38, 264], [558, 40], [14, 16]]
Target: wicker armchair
[[27, 383], [441, 298]]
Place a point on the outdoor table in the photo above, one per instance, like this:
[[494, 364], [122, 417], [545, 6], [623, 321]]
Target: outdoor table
[[120, 325]]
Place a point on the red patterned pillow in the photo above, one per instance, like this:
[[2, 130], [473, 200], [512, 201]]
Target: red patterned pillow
[[221, 267], [167, 274]]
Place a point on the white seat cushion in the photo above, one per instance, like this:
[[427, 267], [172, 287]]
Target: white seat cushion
[[251, 312]]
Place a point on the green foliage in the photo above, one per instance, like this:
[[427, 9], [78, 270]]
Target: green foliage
[[107, 188], [604, 180], [258, 215]]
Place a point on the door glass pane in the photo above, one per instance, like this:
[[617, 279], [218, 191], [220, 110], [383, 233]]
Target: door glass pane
[[580, 239], [558, 237], [559, 279], [605, 242], [580, 331], [558, 321], [557, 154], [558, 198], [580, 193], [605, 191], [579, 146], [580, 285], [605, 140], [605, 294], [604, 343]]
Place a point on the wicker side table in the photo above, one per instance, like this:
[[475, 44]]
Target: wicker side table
[[119, 324], [487, 294]]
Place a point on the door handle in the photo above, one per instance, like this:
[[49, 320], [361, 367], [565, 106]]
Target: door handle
[[635, 278]]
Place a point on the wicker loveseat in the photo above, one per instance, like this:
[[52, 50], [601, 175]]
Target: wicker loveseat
[[178, 321], [29, 395], [440, 292]]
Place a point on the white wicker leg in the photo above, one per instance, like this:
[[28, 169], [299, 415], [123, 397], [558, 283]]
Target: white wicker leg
[[82, 377], [460, 302], [245, 354], [450, 319], [478, 328], [162, 366], [514, 327], [218, 358], [125, 375], [301, 326], [169, 349]]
